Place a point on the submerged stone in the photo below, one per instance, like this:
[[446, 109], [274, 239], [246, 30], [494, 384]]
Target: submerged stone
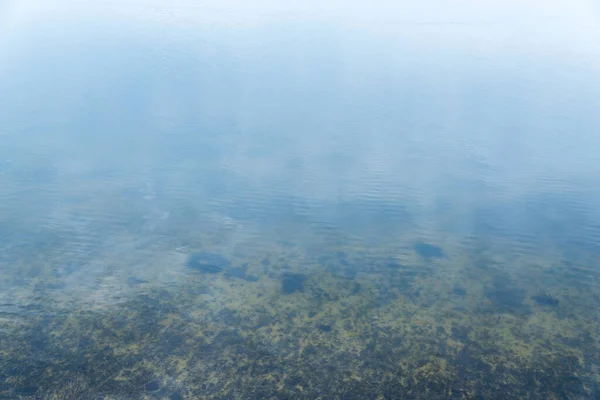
[[506, 299], [459, 291], [133, 281], [324, 327], [152, 386], [545, 300], [292, 283], [27, 390], [342, 259], [239, 273], [505, 295], [176, 396], [207, 262], [427, 250]]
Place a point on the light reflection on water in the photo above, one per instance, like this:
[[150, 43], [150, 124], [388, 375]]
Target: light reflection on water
[[269, 211]]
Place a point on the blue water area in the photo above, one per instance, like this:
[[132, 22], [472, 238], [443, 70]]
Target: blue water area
[[204, 200]]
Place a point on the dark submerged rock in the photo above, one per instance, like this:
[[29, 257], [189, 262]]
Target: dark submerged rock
[[324, 327], [133, 281], [545, 300], [459, 291], [239, 273], [427, 250], [27, 390], [506, 296], [342, 259], [152, 386], [292, 283], [207, 262], [506, 299], [176, 396]]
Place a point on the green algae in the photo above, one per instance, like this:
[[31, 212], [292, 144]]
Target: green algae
[[412, 329]]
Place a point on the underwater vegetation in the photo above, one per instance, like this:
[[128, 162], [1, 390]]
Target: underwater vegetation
[[393, 330], [192, 317]]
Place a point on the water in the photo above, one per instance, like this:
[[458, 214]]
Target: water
[[206, 201]]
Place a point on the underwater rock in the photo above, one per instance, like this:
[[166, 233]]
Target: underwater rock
[[459, 291], [133, 281], [324, 327], [427, 250], [176, 396], [293, 381], [545, 300], [152, 386], [505, 295], [349, 273], [239, 273], [342, 258], [292, 283], [207, 262], [27, 390], [338, 264], [506, 299]]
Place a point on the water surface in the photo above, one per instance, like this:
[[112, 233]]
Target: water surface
[[272, 202]]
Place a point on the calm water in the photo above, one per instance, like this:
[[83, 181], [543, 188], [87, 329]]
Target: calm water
[[232, 201]]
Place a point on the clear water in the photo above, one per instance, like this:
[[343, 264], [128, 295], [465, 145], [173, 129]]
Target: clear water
[[265, 201]]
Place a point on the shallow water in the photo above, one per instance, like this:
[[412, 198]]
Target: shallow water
[[268, 202]]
